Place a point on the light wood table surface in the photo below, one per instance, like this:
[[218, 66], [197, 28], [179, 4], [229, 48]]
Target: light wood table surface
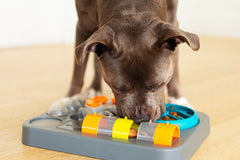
[[32, 78]]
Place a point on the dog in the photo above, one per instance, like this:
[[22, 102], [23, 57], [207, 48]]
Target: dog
[[135, 46]]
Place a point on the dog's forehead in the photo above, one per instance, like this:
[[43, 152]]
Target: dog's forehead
[[134, 31], [139, 68], [144, 69], [135, 60]]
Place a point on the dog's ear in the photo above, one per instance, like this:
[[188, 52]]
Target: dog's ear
[[99, 42], [169, 36]]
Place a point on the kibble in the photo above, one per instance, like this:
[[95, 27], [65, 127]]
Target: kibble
[[132, 133], [166, 118], [171, 107], [174, 114]]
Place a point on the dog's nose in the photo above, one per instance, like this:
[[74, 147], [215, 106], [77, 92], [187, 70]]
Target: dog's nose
[[141, 118], [142, 114]]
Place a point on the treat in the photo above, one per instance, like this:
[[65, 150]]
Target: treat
[[132, 133], [166, 118], [174, 114]]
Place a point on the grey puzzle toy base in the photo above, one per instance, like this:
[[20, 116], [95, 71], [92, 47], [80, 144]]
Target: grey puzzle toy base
[[61, 134]]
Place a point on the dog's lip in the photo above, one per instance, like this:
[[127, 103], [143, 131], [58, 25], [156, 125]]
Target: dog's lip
[[156, 116], [121, 112], [139, 120], [143, 119]]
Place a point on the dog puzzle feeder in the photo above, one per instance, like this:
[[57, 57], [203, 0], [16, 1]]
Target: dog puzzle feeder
[[99, 125], [158, 133], [111, 142], [99, 104], [90, 123], [179, 115]]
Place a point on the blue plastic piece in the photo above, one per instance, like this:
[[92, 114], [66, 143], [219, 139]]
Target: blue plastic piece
[[187, 118]]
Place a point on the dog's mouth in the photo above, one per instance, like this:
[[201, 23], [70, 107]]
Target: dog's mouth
[[143, 116], [146, 118]]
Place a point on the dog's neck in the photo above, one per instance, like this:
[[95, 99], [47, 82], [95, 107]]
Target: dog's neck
[[114, 9]]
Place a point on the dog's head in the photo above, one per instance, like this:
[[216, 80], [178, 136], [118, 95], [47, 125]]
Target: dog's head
[[136, 56]]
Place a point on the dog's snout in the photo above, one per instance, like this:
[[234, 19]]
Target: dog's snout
[[142, 113]]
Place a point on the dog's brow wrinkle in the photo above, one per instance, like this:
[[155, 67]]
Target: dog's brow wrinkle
[[150, 23]]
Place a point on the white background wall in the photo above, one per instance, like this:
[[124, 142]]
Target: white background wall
[[211, 17], [32, 22]]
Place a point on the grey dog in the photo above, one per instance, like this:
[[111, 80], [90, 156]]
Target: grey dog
[[135, 46]]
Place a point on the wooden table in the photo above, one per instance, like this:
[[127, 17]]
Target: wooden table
[[33, 77]]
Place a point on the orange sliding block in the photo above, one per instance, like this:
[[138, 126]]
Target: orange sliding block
[[165, 133], [113, 101], [95, 101], [90, 123]]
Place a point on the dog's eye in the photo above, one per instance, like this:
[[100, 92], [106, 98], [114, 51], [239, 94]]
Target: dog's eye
[[122, 89], [153, 88]]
